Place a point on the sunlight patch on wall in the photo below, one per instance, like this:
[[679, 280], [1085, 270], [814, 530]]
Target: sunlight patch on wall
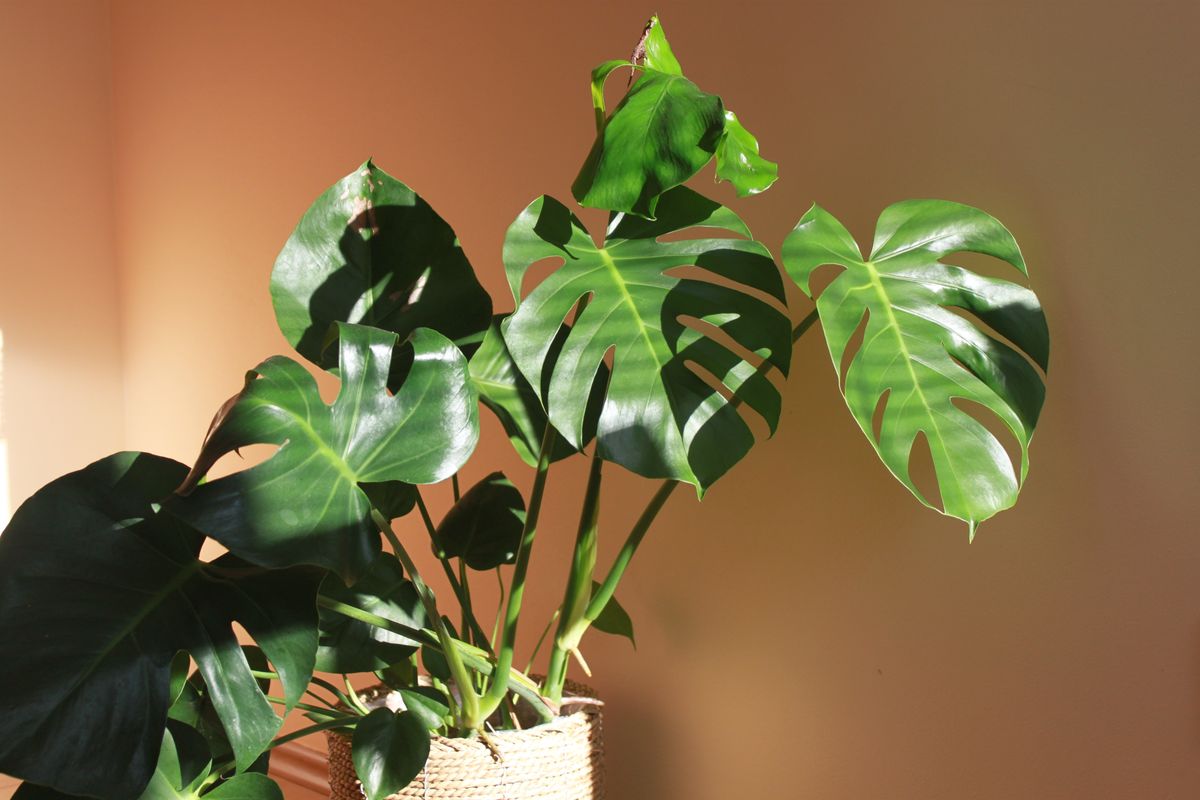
[[5, 508]]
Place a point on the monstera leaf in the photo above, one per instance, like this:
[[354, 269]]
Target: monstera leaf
[[389, 750], [504, 390], [348, 645], [925, 364], [98, 593], [304, 505], [370, 251], [183, 772], [660, 417], [738, 160], [661, 134], [484, 527]]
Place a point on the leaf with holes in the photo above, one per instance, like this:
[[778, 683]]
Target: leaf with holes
[[671, 335], [305, 504], [370, 251], [98, 593], [919, 358]]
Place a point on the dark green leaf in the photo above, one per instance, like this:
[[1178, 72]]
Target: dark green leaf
[[484, 527], [613, 619], [427, 704], [393, 499], [249, 786], [348, 645], [919, 359], [371, 251], [661, 134], [304, 504], [389, 750], [183, 765], [98, 592], [505, 391], [29, 791], [738, 160], [660, 418], [399, 675]]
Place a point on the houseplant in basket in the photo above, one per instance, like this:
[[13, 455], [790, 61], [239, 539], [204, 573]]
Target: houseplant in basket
[[121, 675]]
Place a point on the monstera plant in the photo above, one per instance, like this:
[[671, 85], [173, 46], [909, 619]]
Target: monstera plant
[[644, 346]]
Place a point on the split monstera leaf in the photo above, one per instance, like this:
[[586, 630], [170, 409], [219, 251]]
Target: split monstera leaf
[[654, 346], [921, 366]]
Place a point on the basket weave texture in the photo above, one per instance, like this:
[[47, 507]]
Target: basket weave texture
[[560, 760]]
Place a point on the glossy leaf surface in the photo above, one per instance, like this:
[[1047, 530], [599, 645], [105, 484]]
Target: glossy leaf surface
[[370, 251], [304, 505], [348, 645], [428, 704], [927, 365], [739, 162], [504, 390], [660, 418], [661, 134], [484, 527], [98, 592], [389, 750]]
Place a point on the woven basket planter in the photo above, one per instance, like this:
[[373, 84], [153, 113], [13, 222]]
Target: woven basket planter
[[560, 760]]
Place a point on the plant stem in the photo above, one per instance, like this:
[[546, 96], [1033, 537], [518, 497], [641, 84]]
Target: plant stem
[[474, 658], [499, 605], [341, 722], [579, 584], [352, 699], [512, 615], [470, 626], [469, 698], [325, 712], [606, 589], [541, 639]]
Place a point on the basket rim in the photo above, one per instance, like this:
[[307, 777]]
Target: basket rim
[[582, 697]]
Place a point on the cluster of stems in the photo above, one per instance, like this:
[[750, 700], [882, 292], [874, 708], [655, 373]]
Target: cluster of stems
[[481, 666]]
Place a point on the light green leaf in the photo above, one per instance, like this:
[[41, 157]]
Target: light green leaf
[[930, 363], [98, 593], [661, 134], [304, 505], [660, 418], [370, 251], [484, 527], [389, 750], [656, 53], [738, 160]]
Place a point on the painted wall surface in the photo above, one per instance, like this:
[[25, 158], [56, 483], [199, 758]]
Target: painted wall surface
[[60, 365], [809, 630]]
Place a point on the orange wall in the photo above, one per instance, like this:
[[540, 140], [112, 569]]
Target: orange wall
[[809, 631], [62, 389]]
